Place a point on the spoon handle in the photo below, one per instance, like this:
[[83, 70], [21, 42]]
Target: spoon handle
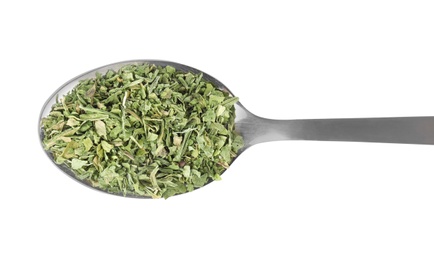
[[406, 130]]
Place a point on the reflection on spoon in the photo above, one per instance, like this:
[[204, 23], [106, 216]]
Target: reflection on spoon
[[254, 129]]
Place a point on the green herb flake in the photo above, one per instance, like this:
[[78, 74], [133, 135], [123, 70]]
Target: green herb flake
[[144, 130], [87, 144], [77, 164], [106, 146]]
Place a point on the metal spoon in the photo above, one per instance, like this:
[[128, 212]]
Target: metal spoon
[[255, 129]]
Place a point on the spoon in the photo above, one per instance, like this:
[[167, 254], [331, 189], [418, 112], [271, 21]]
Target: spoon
[[255, 129]]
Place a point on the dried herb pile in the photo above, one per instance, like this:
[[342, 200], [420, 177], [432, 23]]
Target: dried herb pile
[[144, 130]]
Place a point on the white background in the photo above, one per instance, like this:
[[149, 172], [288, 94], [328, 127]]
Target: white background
[[282, 200]]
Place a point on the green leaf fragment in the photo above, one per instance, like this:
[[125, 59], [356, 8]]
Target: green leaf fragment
[[77, 164], [177, 140], [152, 137], [170, 69], [108, 175], [106, 146], [87, 144], [209, 116], [225, 153], [100, 128], [72, 122], [186, 171], [220, 110], [153, 178], [230, 101], [238, 143]]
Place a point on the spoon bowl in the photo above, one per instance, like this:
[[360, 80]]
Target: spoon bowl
[[255, 129], [72, 83]]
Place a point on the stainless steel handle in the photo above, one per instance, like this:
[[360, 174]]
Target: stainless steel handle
[[406, 130]]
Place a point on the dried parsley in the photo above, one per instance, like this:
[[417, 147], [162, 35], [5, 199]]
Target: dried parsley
[[144, 130]]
